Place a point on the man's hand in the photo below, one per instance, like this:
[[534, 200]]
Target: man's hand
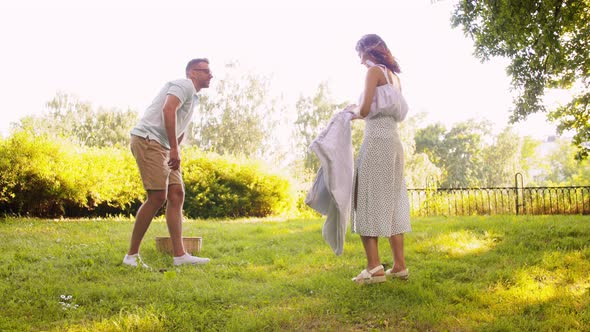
[[174, 161]]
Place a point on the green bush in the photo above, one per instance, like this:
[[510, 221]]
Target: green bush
[[303, 210], [225, 187], [111, 182], [46, 177], [31, 178]]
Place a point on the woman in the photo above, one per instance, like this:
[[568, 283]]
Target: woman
[[380, 205]]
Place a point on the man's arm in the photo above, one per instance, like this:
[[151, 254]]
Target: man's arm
[[170, 106]]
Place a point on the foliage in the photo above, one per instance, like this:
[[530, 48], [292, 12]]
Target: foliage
[[67, 116], [313, 115], [218, 187], [465, 272], [53, 178], [529, 158], [458, 151], [239, 118], [303, 210], [500, 159], [459, 155], [548, 43], [31, 180], [563, 169], [111, 181], [430, 140], [466, 154], [419, 169]]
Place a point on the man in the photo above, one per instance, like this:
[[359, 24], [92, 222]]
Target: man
[[154, 144]]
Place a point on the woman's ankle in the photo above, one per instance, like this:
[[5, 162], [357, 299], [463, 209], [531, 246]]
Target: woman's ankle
[[379, 272], [398, 267]]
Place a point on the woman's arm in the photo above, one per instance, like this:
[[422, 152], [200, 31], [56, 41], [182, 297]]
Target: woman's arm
[[371, 81]]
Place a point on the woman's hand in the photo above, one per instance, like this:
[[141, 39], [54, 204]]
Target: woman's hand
[[352, 108]]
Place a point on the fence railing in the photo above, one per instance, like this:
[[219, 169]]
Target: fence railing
[[500, 200]]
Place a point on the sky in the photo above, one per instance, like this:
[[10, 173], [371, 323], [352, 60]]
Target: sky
[[119, 53]]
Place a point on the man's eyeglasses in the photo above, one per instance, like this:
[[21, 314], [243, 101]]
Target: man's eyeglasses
[[206, 71]]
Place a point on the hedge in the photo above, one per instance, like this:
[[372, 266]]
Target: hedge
[[226, 187], [46, 177]]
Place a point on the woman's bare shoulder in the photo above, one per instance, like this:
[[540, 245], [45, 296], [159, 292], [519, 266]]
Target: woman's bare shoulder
[[376, 74]]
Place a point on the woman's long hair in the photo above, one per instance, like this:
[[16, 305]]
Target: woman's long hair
[[376, 47]]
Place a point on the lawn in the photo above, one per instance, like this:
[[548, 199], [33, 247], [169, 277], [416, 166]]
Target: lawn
[[500, 273]]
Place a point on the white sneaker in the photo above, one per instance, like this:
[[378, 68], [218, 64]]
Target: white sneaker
[[134, 260], [189, 259]]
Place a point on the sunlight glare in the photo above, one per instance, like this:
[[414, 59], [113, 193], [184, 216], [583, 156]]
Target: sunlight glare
[[460, 243]]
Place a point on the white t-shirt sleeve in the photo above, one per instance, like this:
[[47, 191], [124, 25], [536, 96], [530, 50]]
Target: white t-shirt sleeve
[[180, 91]]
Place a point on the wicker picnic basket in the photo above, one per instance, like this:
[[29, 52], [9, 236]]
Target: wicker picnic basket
[[192, 245]]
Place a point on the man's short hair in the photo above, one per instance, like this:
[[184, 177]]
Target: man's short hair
[[194, 62]]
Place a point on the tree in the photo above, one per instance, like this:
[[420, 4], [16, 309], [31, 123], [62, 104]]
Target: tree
[[563, 169], [429, 140], [313, 115], [464, 157], [548, 43], [501, 159], [240, 117], [419, 168], [528, 151], [457, 152], [68, 116], [529, 159]]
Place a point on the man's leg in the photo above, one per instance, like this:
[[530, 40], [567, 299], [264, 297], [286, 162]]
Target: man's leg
[[143, 219], [174, 217], [174, 222]]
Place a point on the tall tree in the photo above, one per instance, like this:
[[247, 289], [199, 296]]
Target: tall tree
[[429, 140], [563, 169], [548, 43], [464, 163], [239, 117], [529, 159], [67, 116], [501, 159], [420, 171], [457, 152], [313, 114]]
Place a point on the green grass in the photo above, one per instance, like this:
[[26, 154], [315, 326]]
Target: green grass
[[501, 273]]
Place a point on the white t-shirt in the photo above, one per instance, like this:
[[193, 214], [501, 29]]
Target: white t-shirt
[[152, 125]]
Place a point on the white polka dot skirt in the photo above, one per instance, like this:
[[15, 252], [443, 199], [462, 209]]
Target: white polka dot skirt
[[380, 204]]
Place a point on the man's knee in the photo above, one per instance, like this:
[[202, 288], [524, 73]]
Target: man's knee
[[175, 194], [157, 197]]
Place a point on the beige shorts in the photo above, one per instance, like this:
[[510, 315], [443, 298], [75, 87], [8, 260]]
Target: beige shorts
[[152, 160]]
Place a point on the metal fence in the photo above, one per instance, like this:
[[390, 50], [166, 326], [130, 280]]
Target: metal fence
[[434, 201]]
